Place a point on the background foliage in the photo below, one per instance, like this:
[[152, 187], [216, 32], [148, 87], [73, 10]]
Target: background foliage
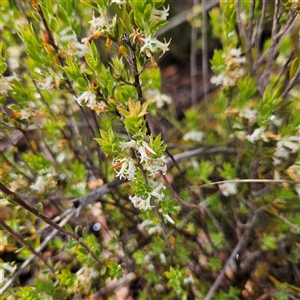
[[107, 185]]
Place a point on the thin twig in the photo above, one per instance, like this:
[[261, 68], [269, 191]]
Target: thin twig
[[242, 242], [114, 285], [249, 181], [264, 78], [192, 206], [205, 56], [38, 249], [180, 157], [284, 68], [16, 199], [291, 84], [260, 27], [183, 17], [26, 244], [193, 55]]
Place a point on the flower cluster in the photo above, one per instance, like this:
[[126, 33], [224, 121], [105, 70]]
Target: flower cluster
[[152, 45], [159, 15], [194, 136], [159, 98], [284, 147], [144, 201], [89, 99], [68, 36], [126, 168], [150, 163], [234, 69]]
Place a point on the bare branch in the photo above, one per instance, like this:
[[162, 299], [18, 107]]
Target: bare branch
[[26, 244], [240, 245], [69, 215], [16, 199], [183, 17], [114, 285]]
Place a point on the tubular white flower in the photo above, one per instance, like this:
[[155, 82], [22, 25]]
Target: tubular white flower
[[127, 169], [152, 45], [249, 114], [155, 192], [169, 219], [157, 165], [118, 1], [143, 151], [131, 170], [228, 188], [258, 134], [130, 144], [148, 147], [141, 203], [88, 97], [159, 15], [97, 23], [195, 136], [46, 84], [122, 172], [235, 52]]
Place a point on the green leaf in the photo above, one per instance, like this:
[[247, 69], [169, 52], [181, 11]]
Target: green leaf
[[293, 68], [69, 227], [39, 208], [84, 233]]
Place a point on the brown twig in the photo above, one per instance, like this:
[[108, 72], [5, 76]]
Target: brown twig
[[16, 199], [249, 181], [205, 55], [240, 245], [183, 17], [69, 215], [25, 243], [193, 55], [114, 285]]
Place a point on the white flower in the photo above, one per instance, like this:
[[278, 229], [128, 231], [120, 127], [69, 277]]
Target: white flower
[[144, 202], [235, 52], [159, 15], [188, 280], [195, 136], [249, 114], [39, 185], [151, 45], [297, 188], [258, 134], [46, 84], [233, 70], [5, 82], [130, 144], [292, 143], [99, 107], [141, 203], [162, 258], [89, 98], [223, 79], [127, 169], [144, 151], [228, 188], [276, 121], [169, 219], [97, 23], [156, 191], [13, 58], [74, 47], [157, 165], [159, 98], [118, 2]]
